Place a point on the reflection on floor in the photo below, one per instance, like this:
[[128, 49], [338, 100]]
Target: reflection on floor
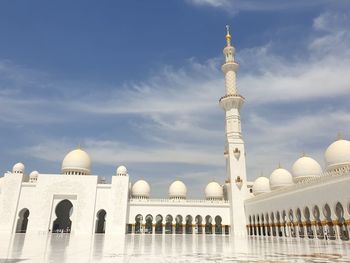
[[167, 248]]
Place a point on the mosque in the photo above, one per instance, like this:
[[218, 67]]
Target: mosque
[[304, 203]]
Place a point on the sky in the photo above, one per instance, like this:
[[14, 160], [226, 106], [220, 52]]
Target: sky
[[138, 83]]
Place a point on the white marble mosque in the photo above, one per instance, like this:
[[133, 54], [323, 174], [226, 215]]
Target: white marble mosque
[[307, 203]]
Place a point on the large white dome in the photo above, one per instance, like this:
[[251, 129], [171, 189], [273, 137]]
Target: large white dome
[[213, 191], [121, 171], [306, 167], [337, 154], [18, 168], [76, 162], [280, 178], [261, 185], [141, 189], [177, 190]]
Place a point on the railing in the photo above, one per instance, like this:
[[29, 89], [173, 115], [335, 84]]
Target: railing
[[164, 200]]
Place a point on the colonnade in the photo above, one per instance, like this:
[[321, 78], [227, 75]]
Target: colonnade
[[300, 224]]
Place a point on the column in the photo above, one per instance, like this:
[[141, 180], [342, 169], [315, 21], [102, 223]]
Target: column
[[163, 229]]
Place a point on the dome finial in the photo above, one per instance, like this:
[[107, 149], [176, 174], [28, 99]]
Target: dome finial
[[279, 165], [228, 36], [339, 136], [303, 154]]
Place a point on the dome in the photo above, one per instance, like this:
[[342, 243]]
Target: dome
[[76, 162], [33, 176], [337, 154], [213, 191], [18, 168], [177, 190], [306, 167], [121, 171], [280, 178], [141, 189], [261, 185]]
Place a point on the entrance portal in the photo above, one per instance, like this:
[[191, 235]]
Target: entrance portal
[[63, 211]]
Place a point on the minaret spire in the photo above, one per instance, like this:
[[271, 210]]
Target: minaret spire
[[228, 36], [232, 102]]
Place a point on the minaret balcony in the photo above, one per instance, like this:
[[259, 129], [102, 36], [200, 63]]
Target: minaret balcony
[[231, 101], [229, 66]]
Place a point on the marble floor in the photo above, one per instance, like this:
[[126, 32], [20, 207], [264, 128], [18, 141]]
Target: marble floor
[[167, 248]]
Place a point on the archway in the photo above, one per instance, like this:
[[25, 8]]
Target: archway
[[148, 225], [254, 226], [188, 227], [159, 225], [278, 223], [218, 225], [199, 221], [101, 221], [292, 224], [178, 225], [319, 227], [273, 224], [208, 225], [329, 231], [138, 224], [263, 225], [22, 221], [268, 227], [250, 229], [284, 223], [343, 231], [258, 225], [300, 223], [168, 224], [309, 231], [63, 211]]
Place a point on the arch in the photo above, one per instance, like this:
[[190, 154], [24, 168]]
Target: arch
[[299, 223], [319, 227], [149, 225], [168, 224], [138, 224], [284, 223], [178, 225], [258, 224], [159, 225], [342, 227], [263, 228], [268, 229], [278, 223], [188, 227], [254, 226], [63, 211], [309, 231], [198, 221], [273, 224], [101, 221], [292, 223], [329, 230], [208, 225], [250, 226], [22, 221], [218, 225]]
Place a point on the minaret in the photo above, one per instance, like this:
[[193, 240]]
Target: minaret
[[234, 148]]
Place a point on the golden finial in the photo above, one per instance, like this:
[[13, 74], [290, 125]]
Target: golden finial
[[339, 136], [279, 165], [228, 36], [303, 154]]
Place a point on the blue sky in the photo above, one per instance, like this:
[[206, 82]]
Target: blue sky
[[138, 83]]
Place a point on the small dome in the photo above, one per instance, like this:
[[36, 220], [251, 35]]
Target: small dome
[[18, 168], [177, 190], [121, 171], [33, 176], [338, 154], [76, 162], [213, 191], [261, 185], [141, 189], [280, 178], [306, 167]]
